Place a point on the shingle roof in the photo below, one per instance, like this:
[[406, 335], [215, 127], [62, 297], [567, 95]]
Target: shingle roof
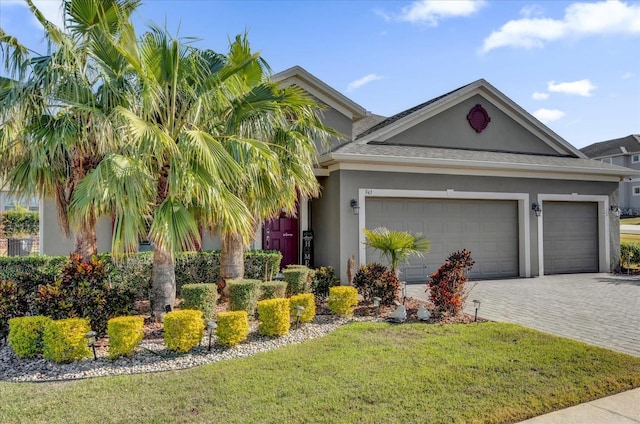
[[630, 143], [361, 125], [444, 156]]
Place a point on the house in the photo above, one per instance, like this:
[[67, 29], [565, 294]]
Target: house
[[623, 151], [469, 169]]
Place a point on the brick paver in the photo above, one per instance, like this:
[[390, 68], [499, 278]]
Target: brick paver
[[599, 309]]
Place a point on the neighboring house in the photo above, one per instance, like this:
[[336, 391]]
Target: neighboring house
[[8, 202], [465, 169], [623, 151]]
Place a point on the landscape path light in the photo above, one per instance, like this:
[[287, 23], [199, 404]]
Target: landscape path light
[[91, 341], [211, 326], [476, 304], [376, 304]]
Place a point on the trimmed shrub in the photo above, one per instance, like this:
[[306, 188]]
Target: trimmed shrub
[[342, 299], [447, 285], [65, 340], [306, 300], [18, 222], [375, 280], [261, 264], [124, 335], [13, 303], [297, 278], [233, 327], [183, 330], [273, 289], [274, 317], [243, 295], [25, 335], [202, 297], [324, 278]]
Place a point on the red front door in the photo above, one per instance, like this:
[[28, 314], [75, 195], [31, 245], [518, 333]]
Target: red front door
[[282, 234]]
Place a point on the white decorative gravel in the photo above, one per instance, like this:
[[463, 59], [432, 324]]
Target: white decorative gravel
[[152, 356]]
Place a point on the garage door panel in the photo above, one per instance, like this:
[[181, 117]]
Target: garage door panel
[[488, 228], [570, 233]]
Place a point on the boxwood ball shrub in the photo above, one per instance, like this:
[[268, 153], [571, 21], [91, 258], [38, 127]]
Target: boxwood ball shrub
[[342, 299], [243, 295], [25, 335], [183, 329], [274, 317], [124, 335], [65, 340], [202, 297], [233, 327], [306, 300], [273, 289]]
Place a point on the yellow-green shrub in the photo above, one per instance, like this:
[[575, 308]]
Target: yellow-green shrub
[[183, 329], [306, 300], [233, 327], [202, 297], [25, 335], [243, 295], [124, 335], [342, 299], [273, 289], [65, 340], [274, 317]]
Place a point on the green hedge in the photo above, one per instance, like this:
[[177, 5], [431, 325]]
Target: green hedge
[[629, 254], [19, 222]]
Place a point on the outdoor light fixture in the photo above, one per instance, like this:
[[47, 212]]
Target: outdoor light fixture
[[376, 303], [167, 308], [615, 210], [536, 208], [476, 304], [404, 292], [299, 313], [211, 326], [91, 341], [355, 206]]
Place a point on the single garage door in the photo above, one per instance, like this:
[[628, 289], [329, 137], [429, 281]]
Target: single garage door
[[570, 237], [487, 228]]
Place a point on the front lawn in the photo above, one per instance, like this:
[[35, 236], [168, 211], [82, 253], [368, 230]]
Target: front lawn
[[363, 372]]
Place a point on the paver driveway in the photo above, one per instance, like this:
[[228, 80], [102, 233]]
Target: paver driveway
[[599, 309]]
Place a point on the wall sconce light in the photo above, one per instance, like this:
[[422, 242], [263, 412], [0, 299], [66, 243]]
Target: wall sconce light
[[536, 208], [355, 206], [91, 341], [615, 210], [211, 326], [476, 304], [299, 313]]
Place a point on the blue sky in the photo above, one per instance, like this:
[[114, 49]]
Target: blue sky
[[573, 65]]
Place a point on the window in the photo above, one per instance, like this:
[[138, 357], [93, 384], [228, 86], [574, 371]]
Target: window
[[29, 203], [636, 190], [606, 160], [635, 158]]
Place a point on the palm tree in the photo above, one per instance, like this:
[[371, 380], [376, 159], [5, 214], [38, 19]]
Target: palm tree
[[54, 109], [396, 246]]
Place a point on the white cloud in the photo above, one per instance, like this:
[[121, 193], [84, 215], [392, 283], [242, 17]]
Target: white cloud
[[580, 20], [580, 88], [548, 115], [628, 75], [362, 81], [540, 96], [430, 12], [51, 9]]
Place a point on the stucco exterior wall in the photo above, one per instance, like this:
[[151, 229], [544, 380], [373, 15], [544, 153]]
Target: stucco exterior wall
[[336, 120], [339, 214]]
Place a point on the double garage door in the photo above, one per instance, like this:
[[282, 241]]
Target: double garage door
[[487, 228]]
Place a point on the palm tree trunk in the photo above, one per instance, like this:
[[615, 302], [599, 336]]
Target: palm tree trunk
[[163, 284], [232, 257], [86, 244]]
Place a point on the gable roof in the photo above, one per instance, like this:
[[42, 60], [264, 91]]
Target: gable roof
[[415, 115], [297, 75], [615, 147]]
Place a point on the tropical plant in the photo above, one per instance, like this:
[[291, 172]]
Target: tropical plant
[[396, 246], [447, 286]]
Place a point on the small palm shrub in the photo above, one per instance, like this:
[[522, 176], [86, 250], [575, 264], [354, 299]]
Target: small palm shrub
[[274, 317], [324, 278], [342, 299], [124, 335], [447, 286], [65, 340], [233, 327], [25, 335], [183, 330], [308, 302], [273, 289], [201, 297], [243, 295], [375, 280]]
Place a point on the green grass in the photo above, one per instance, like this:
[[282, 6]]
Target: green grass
[[362, 373], [630, 221], [630, 238]]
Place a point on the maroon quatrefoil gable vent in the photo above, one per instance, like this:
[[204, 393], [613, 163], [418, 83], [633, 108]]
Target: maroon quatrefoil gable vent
[[478, 118]]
